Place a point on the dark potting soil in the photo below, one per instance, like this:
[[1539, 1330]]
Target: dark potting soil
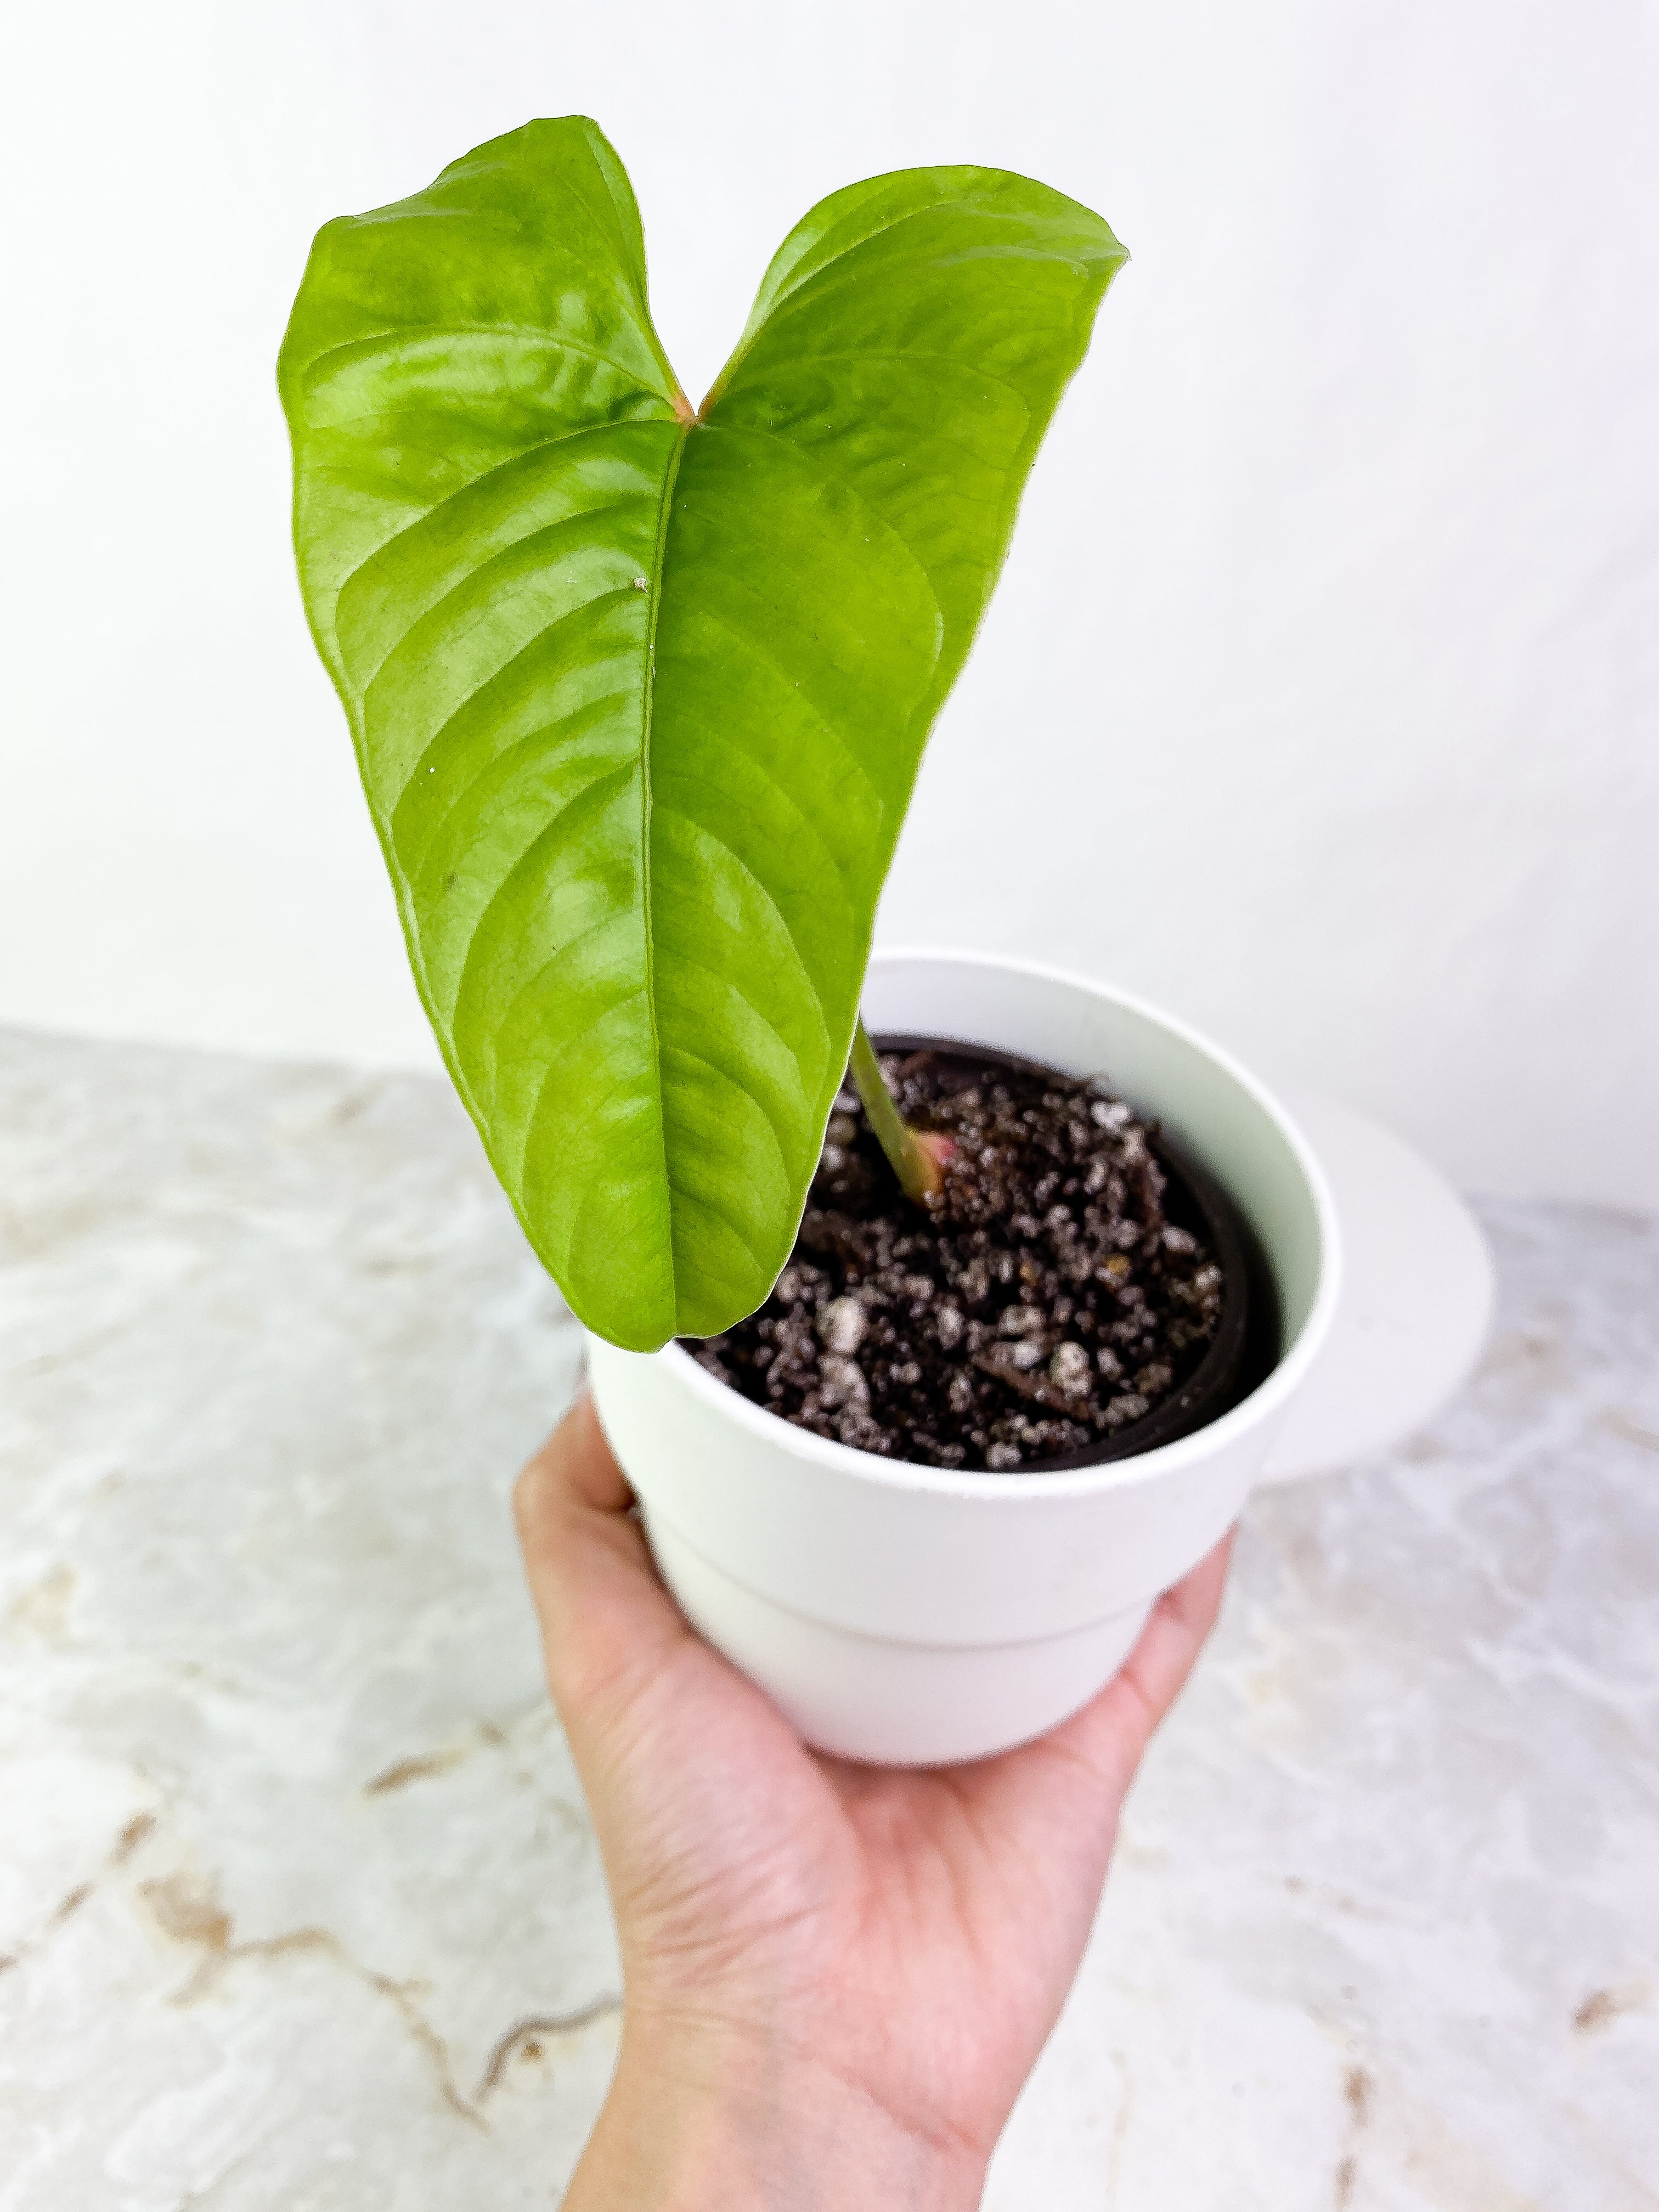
[[1042, 1304]]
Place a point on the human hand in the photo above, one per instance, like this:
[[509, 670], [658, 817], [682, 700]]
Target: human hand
[[837, 1977]]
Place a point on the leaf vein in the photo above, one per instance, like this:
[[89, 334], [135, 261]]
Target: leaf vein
[[814, 461], [532, 644], [569, 523], [366, 346]]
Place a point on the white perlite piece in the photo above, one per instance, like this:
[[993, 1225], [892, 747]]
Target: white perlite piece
[[1068, 1370], [843, 1324], [842, 1382]]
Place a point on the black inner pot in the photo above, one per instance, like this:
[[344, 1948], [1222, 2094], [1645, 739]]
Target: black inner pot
[[1244, 1349]]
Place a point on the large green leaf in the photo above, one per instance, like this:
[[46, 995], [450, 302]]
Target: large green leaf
[[639, 695]]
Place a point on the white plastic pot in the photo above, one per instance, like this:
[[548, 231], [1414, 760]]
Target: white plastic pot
[[915, 1615]]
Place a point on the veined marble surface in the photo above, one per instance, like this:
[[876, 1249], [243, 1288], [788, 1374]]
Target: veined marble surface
[[299, 1906]]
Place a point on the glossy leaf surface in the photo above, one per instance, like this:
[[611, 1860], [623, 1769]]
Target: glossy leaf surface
[[639, 697]]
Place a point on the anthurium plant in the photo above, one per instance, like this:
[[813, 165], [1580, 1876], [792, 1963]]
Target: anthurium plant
[[638, 689]]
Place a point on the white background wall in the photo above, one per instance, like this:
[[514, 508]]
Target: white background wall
[[1319, 699]]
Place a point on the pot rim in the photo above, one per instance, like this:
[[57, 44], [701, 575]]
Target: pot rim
[[1268, 1399]]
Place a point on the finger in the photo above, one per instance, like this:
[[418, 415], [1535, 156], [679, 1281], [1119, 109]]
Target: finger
[[605, 1617], [1072, 1781], [1113, 1731], [575, 1466]]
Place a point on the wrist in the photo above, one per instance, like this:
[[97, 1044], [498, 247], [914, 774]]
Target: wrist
[[700, 2119]]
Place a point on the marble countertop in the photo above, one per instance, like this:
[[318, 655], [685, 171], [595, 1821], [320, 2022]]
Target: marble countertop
[[297, 1901]]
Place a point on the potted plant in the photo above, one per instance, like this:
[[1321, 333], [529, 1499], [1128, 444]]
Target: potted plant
[[639, 692]]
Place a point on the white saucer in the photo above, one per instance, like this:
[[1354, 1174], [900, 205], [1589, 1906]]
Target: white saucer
[[1416, 1301]]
